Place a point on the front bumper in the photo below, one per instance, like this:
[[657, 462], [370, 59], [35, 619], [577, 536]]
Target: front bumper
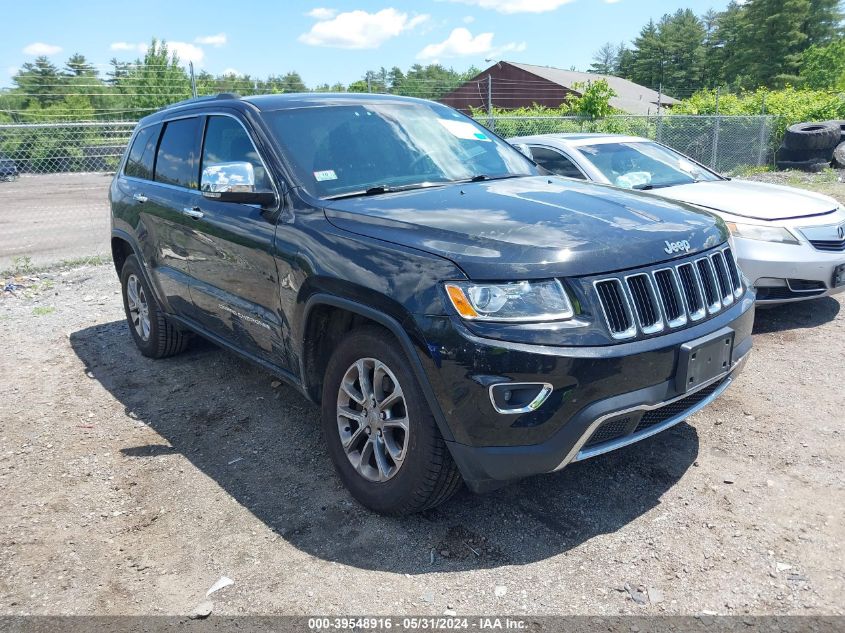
[[590, 386], [787, 272]]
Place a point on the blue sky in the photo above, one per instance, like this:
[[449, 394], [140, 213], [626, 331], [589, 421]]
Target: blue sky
[[328, 41]]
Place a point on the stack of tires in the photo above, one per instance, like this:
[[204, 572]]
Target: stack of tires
[[812, 146]]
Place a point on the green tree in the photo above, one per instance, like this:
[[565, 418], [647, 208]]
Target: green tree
[[605, 60], [39, 82], [78, 66], [773, 39], [154, 81], [823, 66], [594, 102], [824, 21], [648, 57]]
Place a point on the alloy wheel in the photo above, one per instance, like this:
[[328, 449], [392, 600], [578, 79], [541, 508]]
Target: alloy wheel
[[372, 419], [139, 309]]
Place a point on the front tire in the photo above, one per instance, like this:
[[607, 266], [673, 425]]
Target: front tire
[[153, 334], [380, 433]]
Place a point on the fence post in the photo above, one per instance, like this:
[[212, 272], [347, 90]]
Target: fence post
[[714, 159], [659, 131], [490, 122], [764, 126]]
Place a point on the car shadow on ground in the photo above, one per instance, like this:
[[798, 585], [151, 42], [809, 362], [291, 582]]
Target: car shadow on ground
[[795, 316], [262, 445]]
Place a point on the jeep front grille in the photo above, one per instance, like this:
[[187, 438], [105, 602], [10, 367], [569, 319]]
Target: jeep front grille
[[650, 301]]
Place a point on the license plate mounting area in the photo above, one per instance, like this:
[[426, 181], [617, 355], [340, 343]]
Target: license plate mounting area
[[703, 359]]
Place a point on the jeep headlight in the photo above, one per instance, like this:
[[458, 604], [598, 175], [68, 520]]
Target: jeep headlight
[[762, 233], [519, 301]]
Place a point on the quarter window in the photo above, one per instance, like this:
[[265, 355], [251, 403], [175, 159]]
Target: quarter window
[[555, 162], [139, 164], [226, 141], [176, 160]]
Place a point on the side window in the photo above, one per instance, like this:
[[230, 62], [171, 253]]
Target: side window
[[226, 141], [139, 164], [176, 160], [555, 162]]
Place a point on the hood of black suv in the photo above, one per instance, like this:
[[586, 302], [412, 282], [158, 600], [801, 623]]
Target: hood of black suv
[[532, 227]]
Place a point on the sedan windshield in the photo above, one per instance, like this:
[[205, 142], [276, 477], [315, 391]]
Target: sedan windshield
[[373, 148], [640, 165]]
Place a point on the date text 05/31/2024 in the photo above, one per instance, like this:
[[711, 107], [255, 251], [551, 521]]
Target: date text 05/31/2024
[[416, 624]]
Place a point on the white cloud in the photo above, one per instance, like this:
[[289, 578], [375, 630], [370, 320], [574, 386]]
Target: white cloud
[[40, 48], [128, 46], [321, 14], [186, 52], [461, 43], [469, 19], [517, 6], [359, 29], [212, 40], [12, 70]]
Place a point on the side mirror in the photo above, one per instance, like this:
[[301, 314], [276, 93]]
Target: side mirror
[[523, 149], [233, 182]]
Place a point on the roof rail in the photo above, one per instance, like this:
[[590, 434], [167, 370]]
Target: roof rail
[[222, 95]]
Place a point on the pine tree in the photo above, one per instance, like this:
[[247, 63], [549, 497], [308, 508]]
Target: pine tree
[[824, 21], [605, 60], [648, 57], [773, 39]]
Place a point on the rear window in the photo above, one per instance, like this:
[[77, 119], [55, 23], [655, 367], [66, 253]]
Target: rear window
[[139, 164], [176, 160]]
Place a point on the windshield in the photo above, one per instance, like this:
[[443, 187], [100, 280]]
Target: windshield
[[641, 165], [377, 147]]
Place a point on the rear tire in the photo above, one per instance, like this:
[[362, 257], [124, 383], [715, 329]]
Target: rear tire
[[153, 334], [390, 468]]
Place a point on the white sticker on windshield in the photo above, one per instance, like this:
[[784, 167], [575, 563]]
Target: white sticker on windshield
[[326, 174], [464, 130]]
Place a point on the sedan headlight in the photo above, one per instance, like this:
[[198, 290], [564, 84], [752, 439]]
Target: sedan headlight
[[763, 233], [520, 301]]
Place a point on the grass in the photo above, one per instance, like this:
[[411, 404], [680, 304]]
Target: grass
[[23, 265], [43, 310]]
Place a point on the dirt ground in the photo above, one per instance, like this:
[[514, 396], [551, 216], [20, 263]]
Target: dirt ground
[[130, 486]]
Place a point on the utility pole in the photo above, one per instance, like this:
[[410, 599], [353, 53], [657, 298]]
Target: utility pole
[[369, 81], [193, 80]]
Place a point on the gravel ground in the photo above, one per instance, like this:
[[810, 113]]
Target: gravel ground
[[130, 486], [54, 217]]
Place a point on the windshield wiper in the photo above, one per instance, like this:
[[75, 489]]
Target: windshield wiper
[[483, 177], [379, 189], [649, 187]]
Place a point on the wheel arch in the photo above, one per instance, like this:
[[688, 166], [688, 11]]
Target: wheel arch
[[326, 318]]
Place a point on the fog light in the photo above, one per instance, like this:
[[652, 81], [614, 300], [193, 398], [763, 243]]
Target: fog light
[[519, 397]]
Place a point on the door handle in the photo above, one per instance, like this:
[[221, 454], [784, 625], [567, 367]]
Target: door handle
[[193, 212], [139, 197]]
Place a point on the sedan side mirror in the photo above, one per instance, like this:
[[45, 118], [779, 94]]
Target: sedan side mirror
[[523, 149], [233, 182]]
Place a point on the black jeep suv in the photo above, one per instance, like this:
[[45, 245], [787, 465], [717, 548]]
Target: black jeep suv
[[458, 314]]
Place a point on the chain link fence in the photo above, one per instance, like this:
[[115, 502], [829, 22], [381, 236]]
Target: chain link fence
[[724, 143], [58, 210], [50, 148]]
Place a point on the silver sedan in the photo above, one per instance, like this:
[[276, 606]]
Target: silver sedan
[[790, 243]]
